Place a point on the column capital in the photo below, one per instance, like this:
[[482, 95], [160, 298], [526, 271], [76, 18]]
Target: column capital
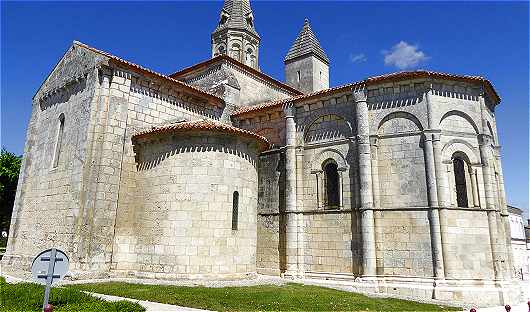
[[362, 139], [484, 139], [427, 136], [359, 93], [373, 139], [437, 135], [288, 111]]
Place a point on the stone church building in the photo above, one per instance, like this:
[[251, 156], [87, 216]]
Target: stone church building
[[391, 184]]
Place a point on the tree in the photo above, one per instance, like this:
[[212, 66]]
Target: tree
[[9, 170]]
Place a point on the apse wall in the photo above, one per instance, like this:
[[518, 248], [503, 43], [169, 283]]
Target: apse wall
[[188, 185]]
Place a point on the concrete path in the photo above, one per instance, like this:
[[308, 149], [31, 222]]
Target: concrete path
[[148, 305], [523, 307]]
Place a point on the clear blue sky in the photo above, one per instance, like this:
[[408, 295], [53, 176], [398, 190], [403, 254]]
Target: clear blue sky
[[489, 39]]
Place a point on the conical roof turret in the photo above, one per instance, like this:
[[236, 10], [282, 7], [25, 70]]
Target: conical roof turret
[[306, 43]]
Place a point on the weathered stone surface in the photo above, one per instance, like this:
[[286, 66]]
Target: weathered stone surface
[[357, 184]]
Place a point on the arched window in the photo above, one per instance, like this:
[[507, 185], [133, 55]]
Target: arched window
[[58, 142], [250, 58], [459, 167], [235, 208], [221, 50], [331, 185], [235, 53]]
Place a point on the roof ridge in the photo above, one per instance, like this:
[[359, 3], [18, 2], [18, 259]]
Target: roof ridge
[[145, 69], [203, 124], [243, 66], [374, 79]]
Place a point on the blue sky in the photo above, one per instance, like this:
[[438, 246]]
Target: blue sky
[[361, 40]]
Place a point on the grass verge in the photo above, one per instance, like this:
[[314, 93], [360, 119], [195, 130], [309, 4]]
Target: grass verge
[[29, 296], [290, 297]]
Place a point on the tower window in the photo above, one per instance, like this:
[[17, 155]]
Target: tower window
[[235, 208], [221, 50], [236, 54], [58, 142], [331, 185], [459, 167], [298, 75], [250, 58]]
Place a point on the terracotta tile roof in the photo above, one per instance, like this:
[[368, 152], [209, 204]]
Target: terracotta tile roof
[[247, 109], [371, 80], [246, 68], [192, 89], [306, 43], [203, 125], [433, 74]]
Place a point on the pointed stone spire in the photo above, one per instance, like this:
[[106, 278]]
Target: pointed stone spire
[[306, 43], [236, 14], [306, 64], [235, 34]]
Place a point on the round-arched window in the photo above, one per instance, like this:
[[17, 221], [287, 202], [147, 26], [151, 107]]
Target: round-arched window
[[461, 181], [331, 187]]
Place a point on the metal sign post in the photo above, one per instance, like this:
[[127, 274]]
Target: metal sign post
[[48, 267]]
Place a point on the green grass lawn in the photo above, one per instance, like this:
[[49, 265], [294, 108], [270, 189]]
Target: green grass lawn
[[28, 297], [290, 297]]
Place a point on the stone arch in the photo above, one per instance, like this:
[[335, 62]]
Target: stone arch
[[460, 147], [327, 127], [460, 114], [327, 155], [235, 51], [392, 121], [462, 179], [250, 57], [331, 184]]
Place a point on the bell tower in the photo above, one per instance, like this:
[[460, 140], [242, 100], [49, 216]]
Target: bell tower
[[235, 34]]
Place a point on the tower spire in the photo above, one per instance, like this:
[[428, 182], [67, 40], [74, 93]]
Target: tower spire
[[306, 43], [235, 34], [306, 63]]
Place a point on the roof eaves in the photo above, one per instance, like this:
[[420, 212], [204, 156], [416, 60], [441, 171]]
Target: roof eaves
[[121, 61], [247, 68], [268, 105], [368, 81], [203, 125]]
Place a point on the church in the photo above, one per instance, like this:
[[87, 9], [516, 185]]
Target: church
[[392, 184]]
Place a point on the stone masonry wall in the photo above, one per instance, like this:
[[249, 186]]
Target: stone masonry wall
[[149, 103], [46, 211], [183, 210]]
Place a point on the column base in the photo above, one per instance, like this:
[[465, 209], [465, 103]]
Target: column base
[[459, 292]]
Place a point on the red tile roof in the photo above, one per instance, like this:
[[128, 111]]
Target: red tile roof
[[426, 74], [247, 109], [371, 80], [204, 125], [192, 89], [246, 68]]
